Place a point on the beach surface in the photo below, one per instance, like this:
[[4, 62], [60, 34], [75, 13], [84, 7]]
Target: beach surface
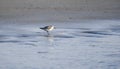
[[88, 44]]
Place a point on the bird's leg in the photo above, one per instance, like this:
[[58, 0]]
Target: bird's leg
[[48, 33]]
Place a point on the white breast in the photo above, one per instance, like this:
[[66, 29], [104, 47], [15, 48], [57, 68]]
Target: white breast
[[52, 27]]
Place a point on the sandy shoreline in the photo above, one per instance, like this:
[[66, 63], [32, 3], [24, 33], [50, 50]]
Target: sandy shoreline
[[56, 15]]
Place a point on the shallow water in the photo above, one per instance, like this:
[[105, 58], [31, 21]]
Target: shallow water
[[85, 45]]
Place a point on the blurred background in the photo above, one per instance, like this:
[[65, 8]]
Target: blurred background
[[87, 34], [59, 10]]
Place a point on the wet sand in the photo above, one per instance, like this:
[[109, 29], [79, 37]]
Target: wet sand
[[91, 44]]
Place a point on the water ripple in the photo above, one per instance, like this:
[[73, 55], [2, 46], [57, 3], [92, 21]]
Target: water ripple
[[9, 41], [97, 32], [115, 28]]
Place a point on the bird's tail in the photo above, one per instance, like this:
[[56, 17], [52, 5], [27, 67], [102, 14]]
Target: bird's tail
[[42, 28]]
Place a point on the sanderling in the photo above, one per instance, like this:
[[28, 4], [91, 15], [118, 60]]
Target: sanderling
[[48, 28]]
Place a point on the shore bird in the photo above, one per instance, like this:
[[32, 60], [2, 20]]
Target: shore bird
[[48, 28]]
